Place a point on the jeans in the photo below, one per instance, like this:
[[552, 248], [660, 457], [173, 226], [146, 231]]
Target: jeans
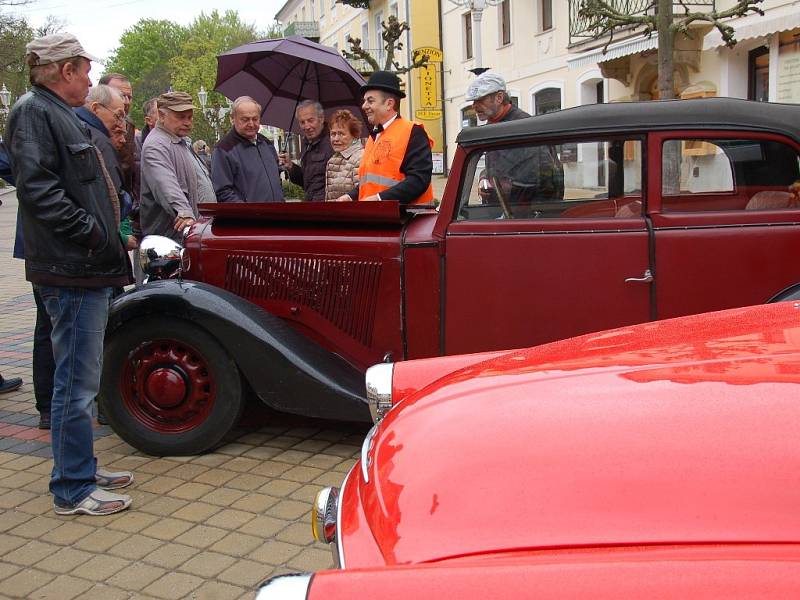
[[79, 317], [43, 364]]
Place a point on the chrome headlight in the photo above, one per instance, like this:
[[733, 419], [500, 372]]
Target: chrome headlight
[[323, 515], [379, 389], [161, 257], [285, 587]]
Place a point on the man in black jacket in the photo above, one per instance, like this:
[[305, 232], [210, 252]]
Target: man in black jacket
[[73, 255], [317, 151], [244, 165]]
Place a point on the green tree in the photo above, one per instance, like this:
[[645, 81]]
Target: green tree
[[143, 55], [195, 64]]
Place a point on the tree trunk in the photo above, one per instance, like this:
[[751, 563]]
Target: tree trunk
[[666, 47]]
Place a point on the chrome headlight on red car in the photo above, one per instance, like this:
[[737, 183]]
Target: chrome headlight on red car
[[323, 516], [379, 389]]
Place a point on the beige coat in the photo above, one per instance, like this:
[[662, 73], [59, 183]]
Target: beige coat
[[341, 176]]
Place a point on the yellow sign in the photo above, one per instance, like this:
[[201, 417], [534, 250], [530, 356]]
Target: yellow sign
[[433, 54], [429, 115], [428, 90]]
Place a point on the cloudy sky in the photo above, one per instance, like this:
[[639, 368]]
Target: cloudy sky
[[98, 24]]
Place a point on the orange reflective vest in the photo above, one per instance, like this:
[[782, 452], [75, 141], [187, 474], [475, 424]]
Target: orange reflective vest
[[380, 165]]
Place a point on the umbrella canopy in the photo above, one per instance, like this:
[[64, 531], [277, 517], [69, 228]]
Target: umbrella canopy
[[281, 73]]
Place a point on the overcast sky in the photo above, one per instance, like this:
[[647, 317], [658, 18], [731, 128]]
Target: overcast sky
[[98, 24]]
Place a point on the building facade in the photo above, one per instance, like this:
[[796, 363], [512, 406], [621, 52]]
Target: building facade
[[336, 20], [550, 60]]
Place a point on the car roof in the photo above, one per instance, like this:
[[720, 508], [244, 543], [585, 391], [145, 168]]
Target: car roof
[[618, 117]]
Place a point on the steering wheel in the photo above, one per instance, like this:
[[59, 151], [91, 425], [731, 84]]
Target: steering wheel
[[501, 197]]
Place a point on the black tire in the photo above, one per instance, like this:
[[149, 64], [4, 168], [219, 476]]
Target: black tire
[[168, 387]]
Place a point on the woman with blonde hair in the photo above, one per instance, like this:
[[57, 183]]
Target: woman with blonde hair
[[341, 175]]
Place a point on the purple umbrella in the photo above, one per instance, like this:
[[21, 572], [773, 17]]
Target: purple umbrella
[[281, 73]]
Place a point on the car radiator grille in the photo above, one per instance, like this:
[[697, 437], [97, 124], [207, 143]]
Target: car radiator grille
[[343, 291]]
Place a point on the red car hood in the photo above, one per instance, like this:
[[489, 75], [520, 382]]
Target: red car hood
[[682, 431]]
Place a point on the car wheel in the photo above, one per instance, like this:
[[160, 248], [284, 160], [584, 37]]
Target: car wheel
[[169, 388]]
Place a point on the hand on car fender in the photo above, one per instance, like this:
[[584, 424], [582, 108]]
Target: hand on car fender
[[344, 198], [181, 222]]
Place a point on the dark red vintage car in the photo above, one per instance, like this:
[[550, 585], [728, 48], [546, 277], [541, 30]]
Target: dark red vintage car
[[653, 461], [558, 225]]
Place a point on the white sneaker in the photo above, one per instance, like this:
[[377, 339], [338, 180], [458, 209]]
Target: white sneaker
[[113, 480], [98, 503]]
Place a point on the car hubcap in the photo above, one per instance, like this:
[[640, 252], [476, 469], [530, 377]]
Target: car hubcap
[[167, 386]]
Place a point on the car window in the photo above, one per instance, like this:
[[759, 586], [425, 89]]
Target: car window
[[579, 180], [699, 175]]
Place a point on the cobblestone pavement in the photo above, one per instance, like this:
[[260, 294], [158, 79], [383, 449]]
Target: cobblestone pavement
[[205, 527]]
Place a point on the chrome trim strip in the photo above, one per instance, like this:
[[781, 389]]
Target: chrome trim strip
[[338, 554], [285, 587], [541, 232], [365, 448]]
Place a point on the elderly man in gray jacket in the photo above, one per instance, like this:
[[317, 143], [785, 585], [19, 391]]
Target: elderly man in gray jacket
[[174, 179]]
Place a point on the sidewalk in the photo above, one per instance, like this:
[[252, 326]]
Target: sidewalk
[[206, 527]]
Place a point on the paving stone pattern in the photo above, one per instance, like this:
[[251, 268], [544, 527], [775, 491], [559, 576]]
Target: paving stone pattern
[[203, 527]]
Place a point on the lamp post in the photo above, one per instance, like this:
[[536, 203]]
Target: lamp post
[[476, 10], [5, 102], [214, 114]]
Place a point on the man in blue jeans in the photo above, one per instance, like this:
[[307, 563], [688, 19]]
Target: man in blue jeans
[[74, 256]]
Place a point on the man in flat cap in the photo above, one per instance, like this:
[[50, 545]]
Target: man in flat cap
[[174, 179], [516, 177], [73, 256], [397, 161]]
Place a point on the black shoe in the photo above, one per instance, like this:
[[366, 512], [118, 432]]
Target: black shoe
[[9, 385], [44, 420]]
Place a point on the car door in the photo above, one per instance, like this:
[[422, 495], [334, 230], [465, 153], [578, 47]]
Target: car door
[[548, 241], [726, 221]]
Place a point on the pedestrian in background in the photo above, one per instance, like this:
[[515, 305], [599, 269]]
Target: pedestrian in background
[[129, 159], [201, 149], [73, 255], [341, 175], [244, 167]]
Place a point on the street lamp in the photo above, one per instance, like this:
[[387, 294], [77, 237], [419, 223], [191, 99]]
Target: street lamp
[[5, 101], [214, 114], [476, 10]]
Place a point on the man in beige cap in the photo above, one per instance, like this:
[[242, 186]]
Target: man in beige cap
[[174, 179], [73, 257]]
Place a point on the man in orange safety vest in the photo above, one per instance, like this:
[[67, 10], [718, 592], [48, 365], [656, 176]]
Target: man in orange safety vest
[[397, 161]]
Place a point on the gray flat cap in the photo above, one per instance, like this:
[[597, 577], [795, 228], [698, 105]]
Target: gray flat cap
[[485, 84], [56, 47]]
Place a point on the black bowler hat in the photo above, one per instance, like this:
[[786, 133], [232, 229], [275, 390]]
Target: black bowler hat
[[385, 82]]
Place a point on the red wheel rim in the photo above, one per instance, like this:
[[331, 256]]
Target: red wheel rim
[[167, 386]]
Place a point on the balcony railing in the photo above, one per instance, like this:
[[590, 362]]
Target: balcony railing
[[582, 29], [306, 29]]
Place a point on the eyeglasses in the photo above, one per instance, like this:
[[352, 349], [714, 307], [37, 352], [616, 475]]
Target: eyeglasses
[[118, 115]]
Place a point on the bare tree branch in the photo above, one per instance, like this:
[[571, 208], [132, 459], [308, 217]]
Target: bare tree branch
[[393, 30]]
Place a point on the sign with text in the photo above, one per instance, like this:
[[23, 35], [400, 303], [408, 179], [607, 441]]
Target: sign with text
[[429, 107]]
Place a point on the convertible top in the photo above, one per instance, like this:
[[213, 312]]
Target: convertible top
[[706, 113]]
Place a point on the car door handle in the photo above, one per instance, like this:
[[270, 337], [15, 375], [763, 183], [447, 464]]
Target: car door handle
[[647, 277]]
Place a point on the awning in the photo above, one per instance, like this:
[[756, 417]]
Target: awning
[[618, 50], [775, 20]]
